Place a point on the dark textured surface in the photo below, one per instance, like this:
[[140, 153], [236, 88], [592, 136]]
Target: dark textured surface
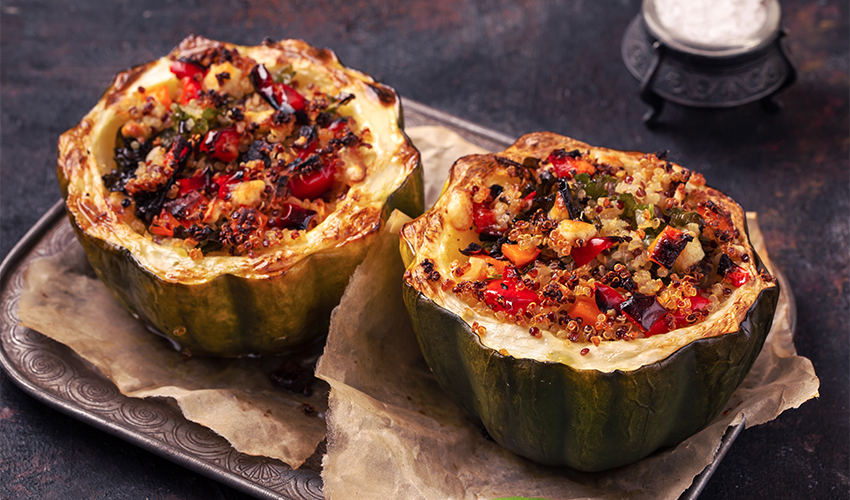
[[515, 67]]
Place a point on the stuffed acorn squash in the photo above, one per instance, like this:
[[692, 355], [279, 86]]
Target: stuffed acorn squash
[[588, 306], [225, 193]]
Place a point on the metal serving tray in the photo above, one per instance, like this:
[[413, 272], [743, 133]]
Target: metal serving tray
[[56, 376]]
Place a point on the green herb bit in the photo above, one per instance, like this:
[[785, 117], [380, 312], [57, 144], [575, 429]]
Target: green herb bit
[[285, 75], [595, 187], [196, 124], [680, 218]]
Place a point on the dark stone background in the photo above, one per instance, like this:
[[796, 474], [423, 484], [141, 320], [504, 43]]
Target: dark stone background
[[515, 67]]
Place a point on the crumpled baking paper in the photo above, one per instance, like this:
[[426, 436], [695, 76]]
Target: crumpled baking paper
[[392, 433], [64, 300]]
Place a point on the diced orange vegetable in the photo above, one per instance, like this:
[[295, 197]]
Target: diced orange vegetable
[[585, 308], [160, 93], [500, 265], [583, 167], [518, 255], [164, 224], [161, 231]]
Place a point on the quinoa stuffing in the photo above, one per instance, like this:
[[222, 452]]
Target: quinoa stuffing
[[235, 158], [590, 249]]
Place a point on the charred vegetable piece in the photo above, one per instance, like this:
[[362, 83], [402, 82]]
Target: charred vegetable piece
[[731, 272], [293, 217], [281, 96], [569, 200], [474, 249], [201, 180], [608, 299], [149, 194], [484, 220], [667, 246], [643, 310]]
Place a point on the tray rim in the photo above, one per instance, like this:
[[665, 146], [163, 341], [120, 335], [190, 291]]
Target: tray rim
[[54, 217]]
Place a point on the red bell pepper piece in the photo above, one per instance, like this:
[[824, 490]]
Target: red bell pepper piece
[[313, 184], [222, 144], [308, 150], [659, 327], [584, 254], [697, 303], [338, 124], [738, 277], [191, 75], [286, 94], [292, 217], [186, 69], [484, 219], [281, 96], [607, 298], [566, 165], [199, 181], [190, 184], [644, 311], [191, 90], [223, 182], [732, 272], [503, 295]]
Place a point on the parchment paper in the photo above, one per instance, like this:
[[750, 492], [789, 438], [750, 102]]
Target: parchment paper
[[63, 299], [392, 434]]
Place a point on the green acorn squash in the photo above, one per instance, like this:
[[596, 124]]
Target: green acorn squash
[[226, 193], [502, 271]]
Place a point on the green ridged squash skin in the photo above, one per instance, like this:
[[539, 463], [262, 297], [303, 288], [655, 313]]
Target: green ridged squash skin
[[589, 420], [231, 315]]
